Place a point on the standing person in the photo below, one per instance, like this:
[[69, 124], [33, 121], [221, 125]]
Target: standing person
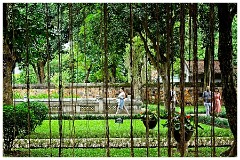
[[121, 98], [173, 98], [217, 101], [207, 100]]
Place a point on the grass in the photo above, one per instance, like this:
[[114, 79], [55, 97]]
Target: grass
[[187, 109], [96, 129], [114, 152]]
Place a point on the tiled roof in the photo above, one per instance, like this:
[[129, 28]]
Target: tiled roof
[[201, 66]]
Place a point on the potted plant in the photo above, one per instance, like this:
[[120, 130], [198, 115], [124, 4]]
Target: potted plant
[[188, 128], [150, 117]]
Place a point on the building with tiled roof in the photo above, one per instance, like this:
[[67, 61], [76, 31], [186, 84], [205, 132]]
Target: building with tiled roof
[[189, 70]]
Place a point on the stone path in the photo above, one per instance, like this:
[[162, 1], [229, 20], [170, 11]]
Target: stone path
[[114, 142]]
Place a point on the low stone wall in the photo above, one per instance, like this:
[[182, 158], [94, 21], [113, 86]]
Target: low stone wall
[[87, 105], [94, 90], [79, 90], [115, 142]]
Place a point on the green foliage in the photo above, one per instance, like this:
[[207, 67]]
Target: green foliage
[[222, 114], [188, 122], [151, 115], [219, 122], [153, 108], [40, 111], [17, 95], [138, 67], [163, 113], [234, 40], [21, 78], [89, 19], [15, 123]]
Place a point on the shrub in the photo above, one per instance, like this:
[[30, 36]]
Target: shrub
[[223, 114], [17, 95], [163, 113], [40, 111], [219, 122], [15, 122]]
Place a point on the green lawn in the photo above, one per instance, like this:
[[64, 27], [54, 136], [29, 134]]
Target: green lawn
[[96, 129], [115, 152], [187, 109]]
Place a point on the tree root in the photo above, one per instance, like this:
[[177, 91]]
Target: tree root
[[231, 152]]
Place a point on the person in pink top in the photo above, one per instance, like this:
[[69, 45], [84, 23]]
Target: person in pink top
[[217, 100]]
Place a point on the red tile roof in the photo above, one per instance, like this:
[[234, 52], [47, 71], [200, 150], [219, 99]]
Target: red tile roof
[[201, 66]]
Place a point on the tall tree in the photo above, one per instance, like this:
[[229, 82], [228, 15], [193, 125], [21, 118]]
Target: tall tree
[[226, 13], [9, 56], [7, 59], [147, 26], [204, 29]]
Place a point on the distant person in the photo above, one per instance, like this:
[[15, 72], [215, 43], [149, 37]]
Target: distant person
[[207, 100], [120, 100], [217, 101], [173, 98]]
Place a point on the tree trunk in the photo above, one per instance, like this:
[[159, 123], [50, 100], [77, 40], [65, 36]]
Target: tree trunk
[[87, 74], [114, 73], [8, 63], [207, 71], [35, 71], [137, 80], [225, 54], [165, 83], [41, 73]]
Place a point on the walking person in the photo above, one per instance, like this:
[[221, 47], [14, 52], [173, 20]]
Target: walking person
[[120, 100], [217, 101], [207, 100], [173, 98]]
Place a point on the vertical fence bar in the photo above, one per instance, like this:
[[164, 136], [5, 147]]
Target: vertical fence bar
[[60, 91], [27, 78], [13, 77], [72, 73], [212, 77], [172, 58], [170, 110], [182, 77], [189, 33], [106, 76], [77, 74], [48, 78], [131, 64], [158, 80], [195, 74], [85, 65], [146, 107]]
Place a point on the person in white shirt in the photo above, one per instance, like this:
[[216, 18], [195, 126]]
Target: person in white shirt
[[173, 98], [120, 100]]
